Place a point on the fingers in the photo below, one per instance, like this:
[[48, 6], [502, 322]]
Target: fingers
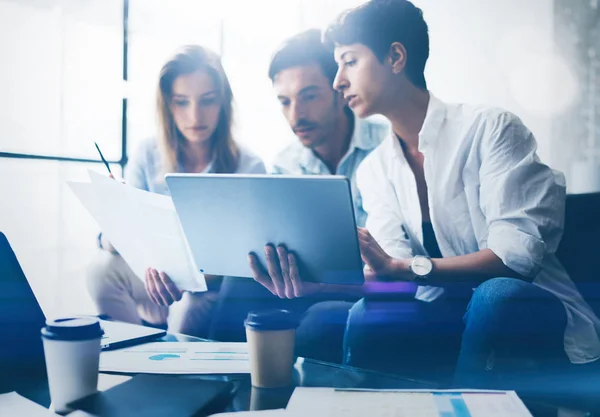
[[364, 236], [295, 275], [282, 255], [368, 245], [170, 286], [369, 274], [274, 269], [366, 251], [259, 273], [151, 287], [156, 287]]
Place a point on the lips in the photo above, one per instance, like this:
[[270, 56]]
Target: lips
[[198, 128], [303, 130]]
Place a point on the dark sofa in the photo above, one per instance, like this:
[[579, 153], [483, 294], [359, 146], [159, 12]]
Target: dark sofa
[[579, 250]]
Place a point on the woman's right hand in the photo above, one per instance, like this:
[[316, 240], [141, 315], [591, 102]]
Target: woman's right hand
[[160, 288]]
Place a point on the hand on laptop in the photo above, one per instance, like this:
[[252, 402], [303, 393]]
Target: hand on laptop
[[281, 276], [160, 288], [378, 262]]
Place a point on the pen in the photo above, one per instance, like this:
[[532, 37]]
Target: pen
[[103, 160]]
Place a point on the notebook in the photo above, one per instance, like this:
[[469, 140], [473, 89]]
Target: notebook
[[159, 395]]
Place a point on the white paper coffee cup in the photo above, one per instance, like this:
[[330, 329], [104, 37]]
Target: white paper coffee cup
[[72, 352], [271, 335]]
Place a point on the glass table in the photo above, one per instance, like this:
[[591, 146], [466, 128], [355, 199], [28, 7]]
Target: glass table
[[313, 373]]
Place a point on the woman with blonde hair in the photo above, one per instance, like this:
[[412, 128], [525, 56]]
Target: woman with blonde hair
[[195, 118]]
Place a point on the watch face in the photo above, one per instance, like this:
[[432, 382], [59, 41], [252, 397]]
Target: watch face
[[422, 266]]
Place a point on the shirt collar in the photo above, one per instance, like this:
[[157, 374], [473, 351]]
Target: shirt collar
[[309, 161], [210, 168], [363, 137], [435, 116]]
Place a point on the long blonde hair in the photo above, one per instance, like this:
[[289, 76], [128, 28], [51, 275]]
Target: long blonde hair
[[187, 60]]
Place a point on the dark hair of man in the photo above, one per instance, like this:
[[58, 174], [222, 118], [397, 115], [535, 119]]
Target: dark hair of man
[[379, 23], [303, 49]]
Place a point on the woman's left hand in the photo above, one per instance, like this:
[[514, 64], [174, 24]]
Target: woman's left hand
[[378, 262]]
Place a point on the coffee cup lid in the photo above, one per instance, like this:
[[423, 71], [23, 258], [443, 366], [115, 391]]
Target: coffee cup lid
[[72, 329], [271, 320]]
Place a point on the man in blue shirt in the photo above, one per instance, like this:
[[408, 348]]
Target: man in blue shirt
[[331, 140]]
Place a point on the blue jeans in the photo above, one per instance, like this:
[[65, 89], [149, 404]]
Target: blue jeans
[[477, 338]]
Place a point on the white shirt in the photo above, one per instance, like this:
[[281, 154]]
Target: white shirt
[[296, 159], [487, 189]]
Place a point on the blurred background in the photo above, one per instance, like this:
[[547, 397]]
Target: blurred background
[[77, 71]]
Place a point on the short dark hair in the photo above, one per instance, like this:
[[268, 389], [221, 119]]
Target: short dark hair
[[379, 23], [302, 49]]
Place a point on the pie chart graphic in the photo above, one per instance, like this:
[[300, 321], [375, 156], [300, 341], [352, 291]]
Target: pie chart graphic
[[164, 357]]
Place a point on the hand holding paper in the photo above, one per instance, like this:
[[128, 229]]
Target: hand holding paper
[[143, 227]]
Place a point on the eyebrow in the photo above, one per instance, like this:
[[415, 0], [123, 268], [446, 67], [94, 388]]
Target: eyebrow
[[202, 95], [307, 89], [209, 92], [350, 51]]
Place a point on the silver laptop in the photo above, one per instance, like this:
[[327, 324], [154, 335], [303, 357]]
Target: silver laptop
[[21, 319], [225, 216]]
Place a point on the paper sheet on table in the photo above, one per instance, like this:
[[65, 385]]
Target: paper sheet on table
[[14, 405], [178, 358], [143, 227], [321, 402]]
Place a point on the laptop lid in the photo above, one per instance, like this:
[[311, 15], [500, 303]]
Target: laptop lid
[[21, 319]]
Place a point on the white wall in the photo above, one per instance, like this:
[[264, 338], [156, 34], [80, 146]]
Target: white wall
[[501, 53], [60, 83]]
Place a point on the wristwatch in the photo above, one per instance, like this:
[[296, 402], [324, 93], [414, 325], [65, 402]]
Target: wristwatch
[[421, 266]]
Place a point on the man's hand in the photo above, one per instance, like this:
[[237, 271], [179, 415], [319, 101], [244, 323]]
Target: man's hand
[[160, 288], [281, 277], [378, 262]]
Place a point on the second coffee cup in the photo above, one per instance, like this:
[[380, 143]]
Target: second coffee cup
[[271, 335]]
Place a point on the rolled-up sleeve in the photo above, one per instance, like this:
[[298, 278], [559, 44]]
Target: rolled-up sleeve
[[384, 219], [521, 198]]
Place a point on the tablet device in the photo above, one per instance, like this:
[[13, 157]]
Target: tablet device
[[226, 216]]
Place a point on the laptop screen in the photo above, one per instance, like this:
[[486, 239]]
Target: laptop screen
[[21, 319]]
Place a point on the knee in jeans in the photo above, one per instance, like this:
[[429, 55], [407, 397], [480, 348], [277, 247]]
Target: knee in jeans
[[492, 299], [357, 310], [104, 273], [355, 318], [497, 291]]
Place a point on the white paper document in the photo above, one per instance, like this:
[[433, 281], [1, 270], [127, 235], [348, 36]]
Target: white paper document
[[178, 358], [329, 402], [14, 405], [143, 227]]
